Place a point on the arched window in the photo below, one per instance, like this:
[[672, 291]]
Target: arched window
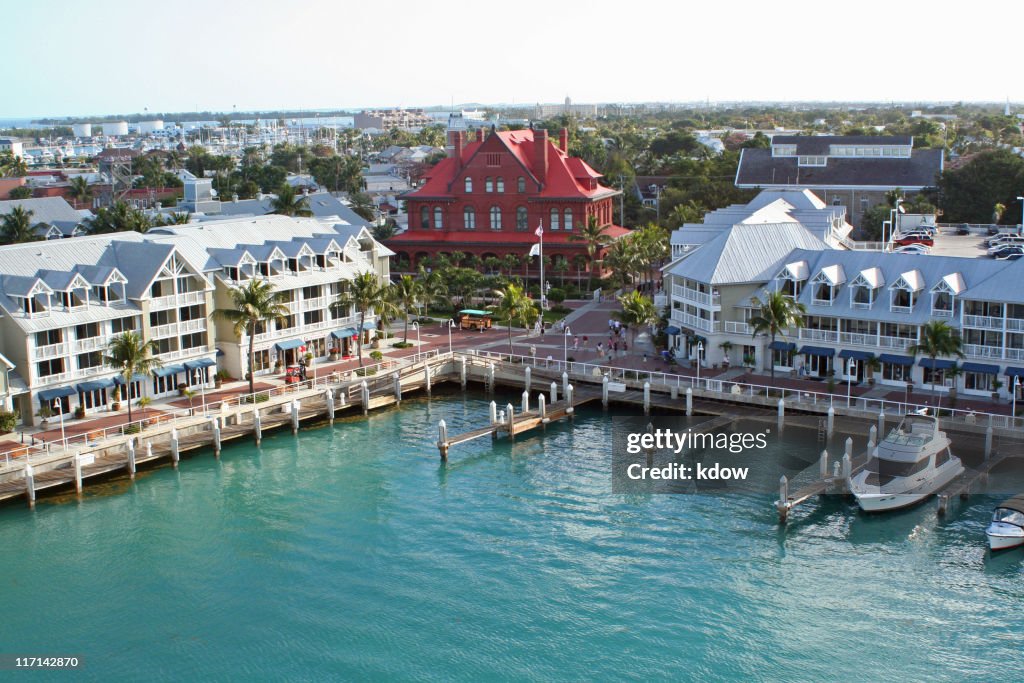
[[521, 185], [469, 218], [488, 184], [501, 184], [554, 219], [425, 218], [568, 219], [521, 218], [438, 218], [495, 218], [469, 184]]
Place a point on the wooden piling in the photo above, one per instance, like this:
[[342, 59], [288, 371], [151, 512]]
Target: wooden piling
[[565, 383], [881, 423], [257, 427], [604, 391], [131, 457], [830, 421], [30, 485], [647, 398], [526, 402], [568, 399], [782, 504], [329, 400], [988, 442], [781, 414], [364, 391], [442, 440], [78, 473], [426, 379], [823, 464], [554, 392], [175, 452], [527, 378], [462, 372], [848, 447], [215, 425], [689, 401], [511, 422]]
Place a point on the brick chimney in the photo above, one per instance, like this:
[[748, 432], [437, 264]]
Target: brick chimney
[[456, 140], [563, 140], [540, 155], [480, 134]]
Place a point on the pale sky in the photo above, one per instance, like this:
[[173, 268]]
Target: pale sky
[[65, 58]]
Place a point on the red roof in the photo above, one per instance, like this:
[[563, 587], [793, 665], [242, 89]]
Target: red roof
[[567, 177], [488, 237]]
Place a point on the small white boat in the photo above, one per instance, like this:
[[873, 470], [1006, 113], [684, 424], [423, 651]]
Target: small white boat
[[913, 462], [1007, 527]]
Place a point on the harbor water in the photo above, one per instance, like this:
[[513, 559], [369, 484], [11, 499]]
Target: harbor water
[[351, 553]]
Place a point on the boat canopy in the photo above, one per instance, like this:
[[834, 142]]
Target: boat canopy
[[1016, 503]]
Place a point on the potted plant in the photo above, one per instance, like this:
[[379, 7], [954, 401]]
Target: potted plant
[[277, 366], [996, 386], [79, 412], [45, 412], [181, 389], [115, 404], [335, 353], [377, 356], [749, 360], [190, 394], [952, 374], [219, 378], [873, 365], [143, 404], [309, 358]]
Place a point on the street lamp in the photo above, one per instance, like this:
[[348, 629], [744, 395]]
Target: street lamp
[[1021, 200], [451, 324], [197, 374], [893, 212], [63, 437], [416, 326], [700, 351], [851, 370], [565, 346], [1013, 410]]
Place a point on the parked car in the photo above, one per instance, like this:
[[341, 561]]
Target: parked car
[[1009, 254], [913, 249], [1005, 244], [992, 230], [963, 229], [904, 240]]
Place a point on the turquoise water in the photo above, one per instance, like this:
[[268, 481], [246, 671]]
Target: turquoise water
[[350, 554]]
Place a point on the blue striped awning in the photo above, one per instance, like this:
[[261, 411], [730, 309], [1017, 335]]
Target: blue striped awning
[[937, 364], [782, 346], [56, 392], [344, 333], [1015, 372], [95, 384], [168, 370], [857, 355], [119, 380], [817, 351], [983, 368], [894, 359], [369, 325], [200, 363], [672, 329], [289, 344]]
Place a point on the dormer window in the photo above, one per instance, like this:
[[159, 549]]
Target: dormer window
[[944, 295], [864, 286], [903, 293], [826, 285], [790, 280], [824, 293], [812, 160]]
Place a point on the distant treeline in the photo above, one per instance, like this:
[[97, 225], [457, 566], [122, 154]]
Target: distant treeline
[[191, 116], [56, 131]]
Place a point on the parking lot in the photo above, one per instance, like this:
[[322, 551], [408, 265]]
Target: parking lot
[[970, 246]]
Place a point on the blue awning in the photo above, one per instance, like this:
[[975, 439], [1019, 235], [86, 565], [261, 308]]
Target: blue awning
[[672, 329], [56, 392], [782, 346], [983, 368], [856, 355], [119, 380], [201, 363], [368, 325], [893, 359], [938, 364], [344, 333], [817, 351], [219, 353], [96, 384], [168, 370], [1015, 372], [289, 344]]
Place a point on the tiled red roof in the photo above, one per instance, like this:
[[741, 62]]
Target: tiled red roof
[[526, 237], [567, 177]]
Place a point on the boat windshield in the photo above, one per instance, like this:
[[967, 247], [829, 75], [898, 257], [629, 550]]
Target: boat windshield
[[881, 472], [1009, 516], [911, 434]]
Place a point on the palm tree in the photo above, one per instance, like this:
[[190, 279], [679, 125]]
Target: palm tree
[[362, 205], [11, 165], [119, 218], [130, 354], [514, 306], [366, 294], [255, 303], [17, 226], [287, 203], [434, 287], [775, 315], [177, 218], [407, 292], [938, 339], [637, 311], [595, 238], [79, 191]]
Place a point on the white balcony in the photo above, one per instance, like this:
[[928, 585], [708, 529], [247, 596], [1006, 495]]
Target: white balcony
[[942, 313], [1015, 354], [161, 331], [819, 335], [184, 353], [900, 309], [1015, 324], [860, 304], [52, 351], [695, 296], [175, 300], [190, 298], [94, 370], [895, 342], [695, 322], [858, 338], [983, 321], [318, 302], [92, 343], [197, 325], [738, 327], [163, 302], [982, 351], [56, 378]]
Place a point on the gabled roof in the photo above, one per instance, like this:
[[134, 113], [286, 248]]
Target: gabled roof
[[23, 286], [797, 270], [49, 210], [953, 283], [758, 168], [745, 253], [911, 279], [833, 275], [870, 277]]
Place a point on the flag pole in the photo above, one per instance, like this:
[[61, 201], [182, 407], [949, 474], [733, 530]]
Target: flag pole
[[543, 294]]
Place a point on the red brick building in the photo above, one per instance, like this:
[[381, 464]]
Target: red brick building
[[488, 197]]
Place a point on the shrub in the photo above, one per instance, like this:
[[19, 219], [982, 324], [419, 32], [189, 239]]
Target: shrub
[[402, 345], [560, 309], [377, 356], [8, 420], [556, 294], [364, 372]]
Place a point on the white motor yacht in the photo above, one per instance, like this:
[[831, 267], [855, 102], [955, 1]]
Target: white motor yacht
[[1007, 527], [910, 464]]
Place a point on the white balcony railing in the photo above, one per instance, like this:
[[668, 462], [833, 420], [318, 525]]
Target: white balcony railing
[[982, 351], [860, 304], [983, 321], [695, 322], [1015, 324], [51, 351], [197, 325], [160, 303], [318, 302], [55, 378], [184, 353], [942, 313], [738, 327], [696, 296], [92, 343], [895, 342], [858, 338], [174, 300], [1015, 354], [819, 335], [893, 308], [161, 331]]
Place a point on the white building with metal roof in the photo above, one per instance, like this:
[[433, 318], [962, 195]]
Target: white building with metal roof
[[63, 301]]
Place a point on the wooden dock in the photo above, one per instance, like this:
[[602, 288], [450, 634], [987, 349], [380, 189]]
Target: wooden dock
[[968, 482]]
